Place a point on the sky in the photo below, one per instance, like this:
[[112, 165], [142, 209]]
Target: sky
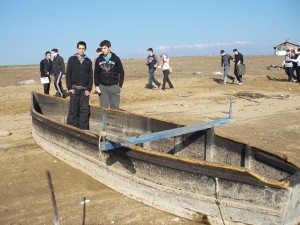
[[176, 27]]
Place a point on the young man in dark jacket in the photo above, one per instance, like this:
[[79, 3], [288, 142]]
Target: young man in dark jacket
[[238, 59], [45, 68], [108, 77], [58, 70], [152, 63], [79, 79]]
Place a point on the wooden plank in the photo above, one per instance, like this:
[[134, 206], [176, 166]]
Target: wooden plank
[[121, 141]]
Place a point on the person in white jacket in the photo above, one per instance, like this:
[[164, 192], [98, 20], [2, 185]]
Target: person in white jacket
[[297, 60], [288, 65], [165, 65]]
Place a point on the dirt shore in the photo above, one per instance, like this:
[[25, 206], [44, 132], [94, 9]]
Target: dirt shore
[[266, 111]]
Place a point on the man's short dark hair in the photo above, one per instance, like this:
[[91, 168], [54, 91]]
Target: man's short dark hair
[[235, 50], [54, 50], [98, 50], [47, 52], [150, 49], [105, 43], [81, 43], [222, 51], [287, 50]]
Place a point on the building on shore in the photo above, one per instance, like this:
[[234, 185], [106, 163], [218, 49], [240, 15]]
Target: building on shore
[[281, 48]]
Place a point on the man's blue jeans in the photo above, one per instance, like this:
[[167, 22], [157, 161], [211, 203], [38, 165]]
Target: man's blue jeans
[[152, 79], [226, 70]]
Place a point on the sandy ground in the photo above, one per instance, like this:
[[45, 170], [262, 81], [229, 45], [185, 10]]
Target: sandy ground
[[266, 111]]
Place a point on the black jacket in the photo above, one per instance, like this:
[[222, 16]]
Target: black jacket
[[45, 66], [109, 73], [237, 58], [58, 65], [79, 74]]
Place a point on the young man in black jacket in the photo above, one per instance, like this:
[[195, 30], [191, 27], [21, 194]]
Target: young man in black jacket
[[108, 77], [58, 69], [79, 79], [45, 68], [238, 59]]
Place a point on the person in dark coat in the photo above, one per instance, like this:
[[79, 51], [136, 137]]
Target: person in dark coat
[[152, 62], [238, 59], [45, 68], [79, 79], [58, 70]]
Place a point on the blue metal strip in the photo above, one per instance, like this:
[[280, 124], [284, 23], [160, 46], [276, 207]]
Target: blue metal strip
[[167, 133], [230, 107], [178, 131], [109, 145]]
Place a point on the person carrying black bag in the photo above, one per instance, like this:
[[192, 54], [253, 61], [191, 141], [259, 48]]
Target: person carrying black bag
[[238, 61]]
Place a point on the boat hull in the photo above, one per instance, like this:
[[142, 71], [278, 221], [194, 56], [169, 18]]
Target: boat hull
[[197, 191]]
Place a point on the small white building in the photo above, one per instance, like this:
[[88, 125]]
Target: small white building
[[281, 48]]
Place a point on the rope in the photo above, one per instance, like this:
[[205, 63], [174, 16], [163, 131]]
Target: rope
[[103, 136], [218, 200], [99, 144]]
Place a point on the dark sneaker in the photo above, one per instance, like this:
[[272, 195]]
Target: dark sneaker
[[232, 80]]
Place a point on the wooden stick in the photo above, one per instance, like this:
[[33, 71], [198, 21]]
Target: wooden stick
[[56, 218]]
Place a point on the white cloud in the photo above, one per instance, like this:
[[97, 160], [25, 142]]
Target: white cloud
[[203, 46]]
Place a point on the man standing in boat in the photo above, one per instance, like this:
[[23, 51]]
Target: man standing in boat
[[108, 77], [79, 79]]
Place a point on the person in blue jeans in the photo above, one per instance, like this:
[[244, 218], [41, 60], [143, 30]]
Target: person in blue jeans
[[225, 62], [152, 63]]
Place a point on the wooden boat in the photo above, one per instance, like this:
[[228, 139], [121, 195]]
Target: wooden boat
[[193, 174]]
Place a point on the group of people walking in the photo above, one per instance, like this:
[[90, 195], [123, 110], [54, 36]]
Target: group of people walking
[[108, 76], [238, 65], [153, 62], [291, 63], [108, 79]]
